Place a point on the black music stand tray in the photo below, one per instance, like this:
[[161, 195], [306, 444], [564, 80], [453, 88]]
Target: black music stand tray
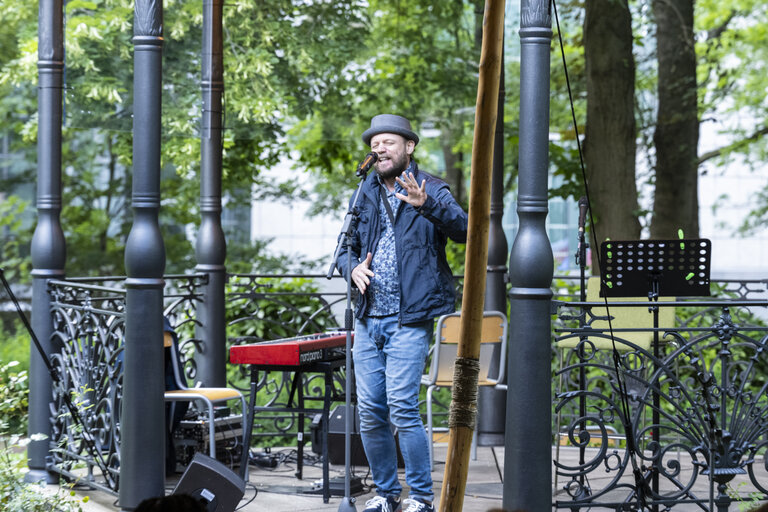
[[655, 268], [659, 268]]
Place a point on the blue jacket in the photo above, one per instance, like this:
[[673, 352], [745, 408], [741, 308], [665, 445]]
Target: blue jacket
[[426, 283]]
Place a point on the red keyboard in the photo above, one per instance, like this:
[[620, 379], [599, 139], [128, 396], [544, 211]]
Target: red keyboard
[[298, 351]]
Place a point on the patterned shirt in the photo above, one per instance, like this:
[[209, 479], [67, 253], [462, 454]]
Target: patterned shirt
[[384, 290]]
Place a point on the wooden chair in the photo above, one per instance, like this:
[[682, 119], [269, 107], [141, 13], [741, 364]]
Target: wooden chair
[[443, 356]]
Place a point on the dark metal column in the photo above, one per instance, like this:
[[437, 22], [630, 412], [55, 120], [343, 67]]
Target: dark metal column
[[142, 464], [492, 402], [48, 244], [211, 249], [528, 451]]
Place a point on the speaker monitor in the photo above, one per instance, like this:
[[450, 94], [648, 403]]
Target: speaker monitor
[[211, 482], [337, 423]]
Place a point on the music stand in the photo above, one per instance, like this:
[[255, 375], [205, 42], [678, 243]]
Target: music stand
[[666, 268], [656, 268]]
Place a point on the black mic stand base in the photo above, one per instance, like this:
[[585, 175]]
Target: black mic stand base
[[347, 504]]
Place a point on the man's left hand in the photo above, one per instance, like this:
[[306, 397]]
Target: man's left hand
[[416, 195]]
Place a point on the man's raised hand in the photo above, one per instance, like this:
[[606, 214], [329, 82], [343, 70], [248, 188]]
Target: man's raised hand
[[416, 194]]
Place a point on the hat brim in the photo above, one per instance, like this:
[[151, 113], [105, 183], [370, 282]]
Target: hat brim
[[370, 132]]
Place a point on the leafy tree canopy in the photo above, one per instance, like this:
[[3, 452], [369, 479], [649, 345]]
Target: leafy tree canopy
[[302, 80]]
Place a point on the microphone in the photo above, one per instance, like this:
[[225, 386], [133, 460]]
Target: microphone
[[366, 164], [583, 205]]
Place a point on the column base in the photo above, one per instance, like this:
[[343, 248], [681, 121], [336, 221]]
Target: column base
[[34, 476], [490, 439]]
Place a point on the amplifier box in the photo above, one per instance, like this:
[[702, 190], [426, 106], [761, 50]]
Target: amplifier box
[[192, 436], [336, 433]]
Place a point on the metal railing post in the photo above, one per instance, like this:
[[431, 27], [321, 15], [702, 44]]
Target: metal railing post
[[142, 419], [48, 244]]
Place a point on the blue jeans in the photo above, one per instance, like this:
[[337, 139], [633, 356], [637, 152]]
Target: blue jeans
[[389, 361]]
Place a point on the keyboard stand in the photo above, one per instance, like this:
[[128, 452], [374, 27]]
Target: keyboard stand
[[326, 368]]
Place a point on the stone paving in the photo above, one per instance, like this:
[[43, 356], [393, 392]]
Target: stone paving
[[278, 490]]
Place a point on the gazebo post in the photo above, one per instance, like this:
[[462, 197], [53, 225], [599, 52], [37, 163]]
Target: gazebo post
[[211, 248], [48, 244], [491, 401], [142, 418], [528, 444]]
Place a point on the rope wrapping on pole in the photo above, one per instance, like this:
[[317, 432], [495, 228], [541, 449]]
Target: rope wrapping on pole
[[463, 409]]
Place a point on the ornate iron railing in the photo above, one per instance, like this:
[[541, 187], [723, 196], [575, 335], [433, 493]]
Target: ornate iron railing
[[696, 407], [89, 327], [698, 401], [89, 321]]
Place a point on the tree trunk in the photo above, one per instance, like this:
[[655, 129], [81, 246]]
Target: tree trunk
[[453, 173], [609, 145], [676, 204]]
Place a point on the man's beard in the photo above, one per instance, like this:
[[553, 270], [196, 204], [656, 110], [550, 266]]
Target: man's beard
[[398, 166]]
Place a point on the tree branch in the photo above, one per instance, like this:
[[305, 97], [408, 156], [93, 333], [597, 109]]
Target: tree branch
[[709, 155], [716, 32]]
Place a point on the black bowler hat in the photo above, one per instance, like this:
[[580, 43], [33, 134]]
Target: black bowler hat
[[390, 123]]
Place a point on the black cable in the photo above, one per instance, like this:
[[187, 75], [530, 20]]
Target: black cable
[[640, 481], [255, 493]]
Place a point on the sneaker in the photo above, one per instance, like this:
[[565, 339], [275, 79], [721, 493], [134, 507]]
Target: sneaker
[[417, 506], [383, 504]]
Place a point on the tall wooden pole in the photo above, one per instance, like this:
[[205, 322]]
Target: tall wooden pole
[[464, 404]]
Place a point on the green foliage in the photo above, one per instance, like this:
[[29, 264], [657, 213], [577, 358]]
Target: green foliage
[[255, 257], [455, 253], [420, 60], [745, 503], [303, 79], [15, 344], [14, 399], [281, 58], [732, 89], [18, 496], [758, 217], [14, 258]]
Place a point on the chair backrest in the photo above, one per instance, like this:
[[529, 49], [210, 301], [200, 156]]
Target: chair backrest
[[175, 378], [623, 318], [493, 339]]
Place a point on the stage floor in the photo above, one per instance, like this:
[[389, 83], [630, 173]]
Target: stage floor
[[278, 490]]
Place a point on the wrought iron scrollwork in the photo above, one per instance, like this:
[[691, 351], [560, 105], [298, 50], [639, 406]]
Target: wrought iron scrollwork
[[698, 412], [88, 326]]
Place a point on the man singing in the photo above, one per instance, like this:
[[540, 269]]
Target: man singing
[[400, 269]]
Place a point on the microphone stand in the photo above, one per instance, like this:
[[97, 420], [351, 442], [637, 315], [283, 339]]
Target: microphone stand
[[89, 442], [581, 260], [345, 240]]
